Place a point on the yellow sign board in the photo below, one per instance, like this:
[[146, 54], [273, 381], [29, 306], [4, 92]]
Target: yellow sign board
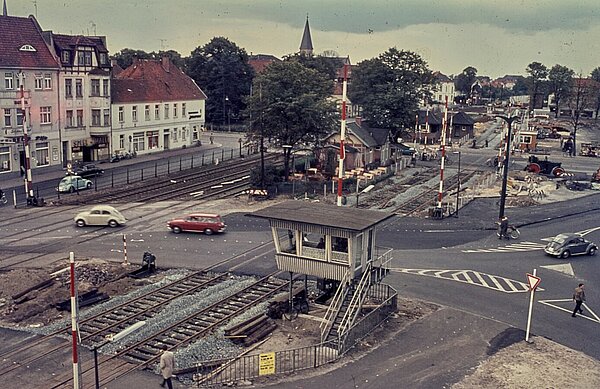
[[266, 364]]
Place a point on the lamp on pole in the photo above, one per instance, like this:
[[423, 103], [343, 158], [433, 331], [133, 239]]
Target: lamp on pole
[[509, 121], [458, 187], [366, 190]]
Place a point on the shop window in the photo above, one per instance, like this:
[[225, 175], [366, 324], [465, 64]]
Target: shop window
[[4, 159], [152, 139], [138, 143], [41, 154]]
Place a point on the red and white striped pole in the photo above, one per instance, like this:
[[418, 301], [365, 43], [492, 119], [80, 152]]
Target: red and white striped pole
[[416, 127], [342, 138], [125, 263], [74, 326], [28, 179], [443, 161], [426, 125]]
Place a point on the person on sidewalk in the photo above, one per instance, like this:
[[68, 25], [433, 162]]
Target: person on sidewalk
[[579, 298], [167, 364]]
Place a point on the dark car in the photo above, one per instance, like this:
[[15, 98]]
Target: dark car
[[88, 171], [405, 149], [565, 245]]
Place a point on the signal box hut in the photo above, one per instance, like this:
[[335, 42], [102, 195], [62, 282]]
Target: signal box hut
[[330, 243]]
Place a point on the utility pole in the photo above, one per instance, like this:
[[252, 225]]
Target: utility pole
[[507, 143], [443, 161]]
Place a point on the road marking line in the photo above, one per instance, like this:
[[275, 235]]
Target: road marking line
[[495, 281], [570, 311], [510, 284], [481, 279]]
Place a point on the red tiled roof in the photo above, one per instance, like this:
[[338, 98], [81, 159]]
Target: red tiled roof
[[259, 62], [16, 32], [154, 80]]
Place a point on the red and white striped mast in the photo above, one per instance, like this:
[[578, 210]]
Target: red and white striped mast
[[74, 326], [443, 161], [416, 127], [342, 138], [28, 179]]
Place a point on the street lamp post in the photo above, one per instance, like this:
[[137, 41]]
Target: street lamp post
[[458, 187], [509, 121]]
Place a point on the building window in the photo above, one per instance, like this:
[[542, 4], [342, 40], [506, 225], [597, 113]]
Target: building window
[[183, 109], [195, 133], [102, 58], [107, 117], [95, 87], [146, 112], [183, 133], [166, 111], [174, 134], [4, 159], [7, 117], [105, 91], [39, 81], [45, 116], [78, 88], [122, 142], [47, 81], [156, 112], [175, 110], [19, 117], [69, 118], [134, 113], [152, 139], [80, 118], [138, 141], [95, 117], [68, 88], [84, 58], [41, 154], [8, 81], [121, 114], [66, 56]]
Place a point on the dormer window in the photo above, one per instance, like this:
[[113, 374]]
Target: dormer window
[[102, 58], [27, 48], [66, 56]]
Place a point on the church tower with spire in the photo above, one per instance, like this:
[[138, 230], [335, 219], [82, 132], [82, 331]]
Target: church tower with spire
[[306, 46]]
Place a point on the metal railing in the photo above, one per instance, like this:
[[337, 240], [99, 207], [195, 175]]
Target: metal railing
[[334, 306], [218, 371], [355, 305]]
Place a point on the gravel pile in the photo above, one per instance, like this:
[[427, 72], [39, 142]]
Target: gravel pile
[[169, 277]]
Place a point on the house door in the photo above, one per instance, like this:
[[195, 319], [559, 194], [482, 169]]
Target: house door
[[65, 153], [166, 141]]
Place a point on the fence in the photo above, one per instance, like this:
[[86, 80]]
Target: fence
[[231, 370]]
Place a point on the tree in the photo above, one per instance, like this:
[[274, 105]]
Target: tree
[[221, 69], [521, 87], [583, 95], [290, 105], [596, 77], [537, 75], [325, 65], [560, 80], [464, 81], [390, 87], [126, 56]]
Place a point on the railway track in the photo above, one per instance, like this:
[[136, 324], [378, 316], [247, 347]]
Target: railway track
[[179, 334]]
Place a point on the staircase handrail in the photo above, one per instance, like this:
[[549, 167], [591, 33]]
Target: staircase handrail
[[356, 303], [333, 308]]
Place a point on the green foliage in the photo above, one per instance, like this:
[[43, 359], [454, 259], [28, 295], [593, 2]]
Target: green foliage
[[273, 176], [560, 79], [221, 69], [389, 88], [125, 57], [290, 105], [464, 81], [327, 66], [537, 76]]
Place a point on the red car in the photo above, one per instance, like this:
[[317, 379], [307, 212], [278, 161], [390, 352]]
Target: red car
[[200, 222]]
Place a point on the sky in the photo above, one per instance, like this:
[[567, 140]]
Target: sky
[[496, 37]]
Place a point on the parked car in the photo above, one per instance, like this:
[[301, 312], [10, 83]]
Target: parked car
[[100, 215], [201, 222], [405, 149], [73, 183], [565, 245], [88, 170]]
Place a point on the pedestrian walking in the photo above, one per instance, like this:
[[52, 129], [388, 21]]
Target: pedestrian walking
[[579, 298], [503, 228], [167, 364]]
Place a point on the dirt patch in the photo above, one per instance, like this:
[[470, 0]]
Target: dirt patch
[[38, 306], [543, 364]]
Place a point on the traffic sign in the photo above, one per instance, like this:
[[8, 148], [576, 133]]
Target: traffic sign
[[533, 281]]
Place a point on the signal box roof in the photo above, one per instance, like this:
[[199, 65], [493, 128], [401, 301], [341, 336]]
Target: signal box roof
[[344, 218]]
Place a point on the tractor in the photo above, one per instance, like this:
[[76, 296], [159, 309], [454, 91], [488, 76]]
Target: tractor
[[538, 166]]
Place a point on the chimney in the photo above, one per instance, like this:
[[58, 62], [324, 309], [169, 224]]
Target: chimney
[[166, 63], [358, 120]]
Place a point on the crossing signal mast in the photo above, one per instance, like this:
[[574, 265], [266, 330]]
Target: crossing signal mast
[[28, 179], [342, 138]]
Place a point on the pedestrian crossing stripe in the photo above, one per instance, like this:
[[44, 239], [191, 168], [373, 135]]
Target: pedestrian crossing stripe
[[587, 309], [514, 247], [489, 281]]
